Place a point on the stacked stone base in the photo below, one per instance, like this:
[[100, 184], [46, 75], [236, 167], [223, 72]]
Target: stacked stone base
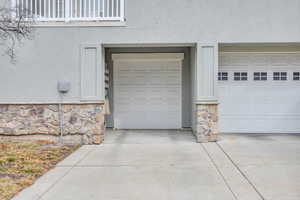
[[206, 122], [82, 123]]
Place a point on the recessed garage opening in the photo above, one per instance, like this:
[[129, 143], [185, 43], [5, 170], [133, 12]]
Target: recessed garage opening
[[259, 88], [148, 88]]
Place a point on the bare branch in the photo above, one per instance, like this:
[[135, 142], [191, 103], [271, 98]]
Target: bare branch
[[15, 27]]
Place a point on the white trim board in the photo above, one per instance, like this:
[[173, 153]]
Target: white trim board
[[147, 45], [148, 56]]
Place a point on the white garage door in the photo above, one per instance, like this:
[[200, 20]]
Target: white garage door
[[147, 91], [259, 92]]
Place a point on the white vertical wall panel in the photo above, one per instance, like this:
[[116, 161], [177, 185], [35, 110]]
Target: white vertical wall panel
[[92, 73], [147, 91], [259, 106], [206, 72], [193, 86]]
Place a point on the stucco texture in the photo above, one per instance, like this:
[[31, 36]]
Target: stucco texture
[[54, 52]]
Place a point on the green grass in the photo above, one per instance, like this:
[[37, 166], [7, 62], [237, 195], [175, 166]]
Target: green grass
[[11, 159]]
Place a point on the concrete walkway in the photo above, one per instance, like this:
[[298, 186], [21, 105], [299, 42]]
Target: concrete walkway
[[163, 165]]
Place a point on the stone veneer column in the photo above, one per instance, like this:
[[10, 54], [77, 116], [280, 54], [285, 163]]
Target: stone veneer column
[[205, 92], [82, 122], [206, 122]]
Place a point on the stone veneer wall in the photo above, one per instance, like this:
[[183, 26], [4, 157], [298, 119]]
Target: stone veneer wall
[[207, 122], [83, 123]]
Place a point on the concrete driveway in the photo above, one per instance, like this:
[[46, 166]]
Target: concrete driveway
[[163, 165], [270, 162]]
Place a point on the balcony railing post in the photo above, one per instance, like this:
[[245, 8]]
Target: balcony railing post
[[67, 10], [122, 9], [14, 8]]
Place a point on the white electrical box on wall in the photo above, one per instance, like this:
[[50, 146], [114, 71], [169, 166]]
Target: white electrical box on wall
[[63, 86]]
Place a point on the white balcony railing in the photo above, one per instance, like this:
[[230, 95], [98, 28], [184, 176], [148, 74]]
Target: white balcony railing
[[70, 10]]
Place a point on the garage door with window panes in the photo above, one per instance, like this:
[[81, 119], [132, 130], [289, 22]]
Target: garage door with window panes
[[259, 92], [296, 76]]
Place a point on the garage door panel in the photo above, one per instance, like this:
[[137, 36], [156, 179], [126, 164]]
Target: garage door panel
[[145, 120], [260, 106], [148, 95], [241, 124]]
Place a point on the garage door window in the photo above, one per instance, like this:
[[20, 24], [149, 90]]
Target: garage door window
[[279, 76], [296, 76], [260, 76], [240, 76], [223, 76]]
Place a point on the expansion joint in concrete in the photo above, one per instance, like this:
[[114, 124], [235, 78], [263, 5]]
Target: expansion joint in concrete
[[219, 172], [240, 171]]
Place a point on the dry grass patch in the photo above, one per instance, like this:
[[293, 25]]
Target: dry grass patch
[[21, 163]]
